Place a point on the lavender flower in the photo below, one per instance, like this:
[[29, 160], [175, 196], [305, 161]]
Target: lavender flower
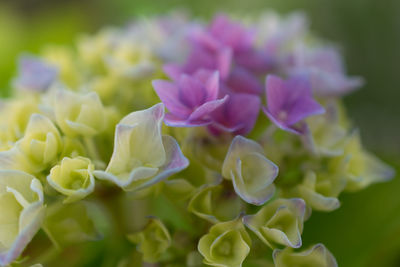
[[238, 115], [289, 102], [191, 99], [35, 74], [326, 70]]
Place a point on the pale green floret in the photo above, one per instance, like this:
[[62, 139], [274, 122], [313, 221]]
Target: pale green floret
[[362, 168], [152, 241], [142, 156], [73, 178], [202, 204], [279, 222], [79, 114], [321, 191], [36, 150], [317, 256], [41, 142], [226, 245], [252, 174], [21, 201]]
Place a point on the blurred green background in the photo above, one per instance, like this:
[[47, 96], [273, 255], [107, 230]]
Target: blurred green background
[[365, 231]]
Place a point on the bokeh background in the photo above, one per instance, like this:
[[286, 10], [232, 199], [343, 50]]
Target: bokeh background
[[365, 231]]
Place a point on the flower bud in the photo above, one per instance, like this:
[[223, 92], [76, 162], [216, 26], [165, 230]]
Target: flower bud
[[41, 143], [73, 177], [251, 172], [152, 241], [226, 245], [279, 222]]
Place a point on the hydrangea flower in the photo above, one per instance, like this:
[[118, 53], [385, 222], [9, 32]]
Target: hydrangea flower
[[39, 147], [152, 241], [79, 114], [227, 244], [279, 222], [142, 156], [252, 174], [35, 74], [73, 178], [191, 99], [318, 255], [325, 69], [289, 102], [21, 200], [238, 115]]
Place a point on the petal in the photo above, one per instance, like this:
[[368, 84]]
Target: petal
[[302, 109], [173, 71], [224, 62], [175, 162], [192, 92], [318, 255], [212, 86], [276, 94], [239, 146], [252, 174], [168, 92], [204, 111], [238, 114], [27, 189], [174, 121], [253, 179], [145, 139]]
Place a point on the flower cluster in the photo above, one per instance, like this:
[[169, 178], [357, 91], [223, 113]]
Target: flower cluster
[[249, 138]]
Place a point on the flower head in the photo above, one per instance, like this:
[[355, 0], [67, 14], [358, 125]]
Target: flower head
[[289, 102]]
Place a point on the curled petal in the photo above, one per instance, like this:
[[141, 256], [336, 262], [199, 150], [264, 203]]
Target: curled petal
[[316, 256], [78, 114], [227, 244], [279, 222], [142, 156], [251, 172], [21, 197], [321, 194], [73, 178]]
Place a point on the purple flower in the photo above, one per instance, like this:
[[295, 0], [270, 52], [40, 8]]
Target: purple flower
[[289, 102], [191, 99], [35, 74], [238, 115], [326, 70]]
